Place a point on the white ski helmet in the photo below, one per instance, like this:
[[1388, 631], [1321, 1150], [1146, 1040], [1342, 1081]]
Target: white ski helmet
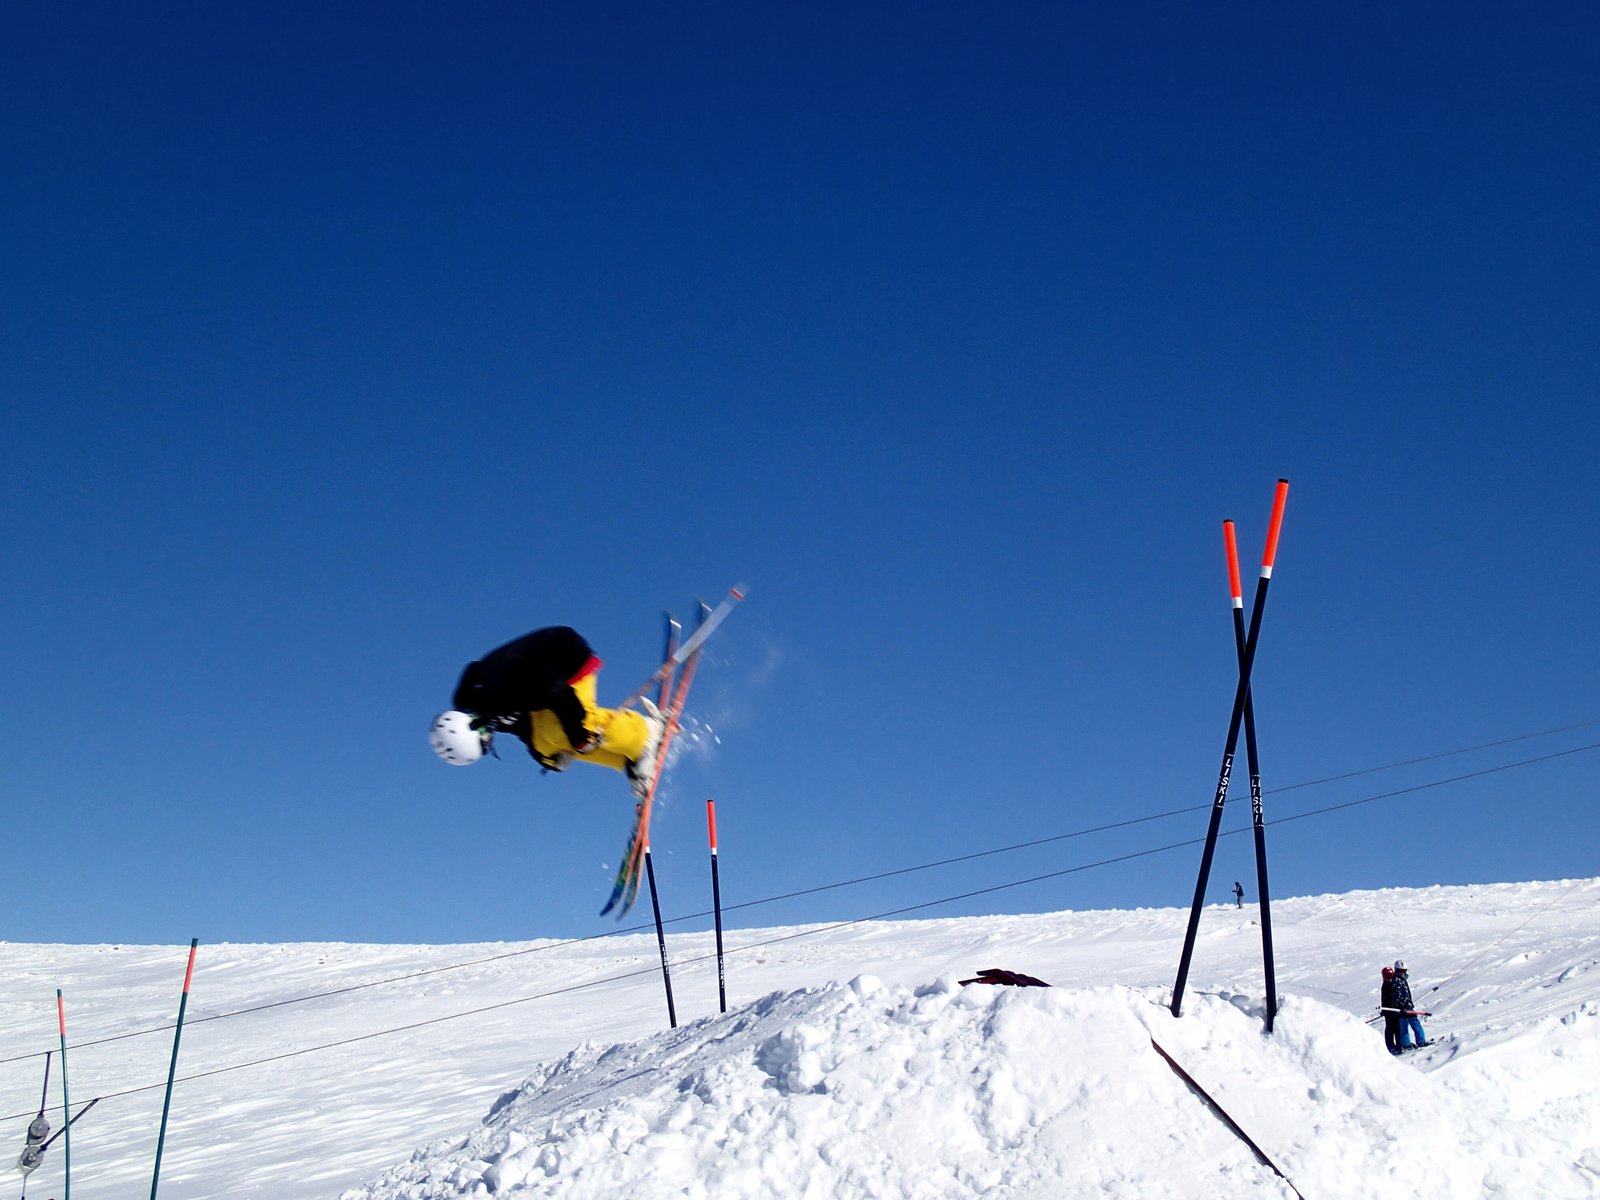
[[455, 740]]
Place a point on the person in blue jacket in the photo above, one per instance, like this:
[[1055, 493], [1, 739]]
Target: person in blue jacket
[[1411, 1035]]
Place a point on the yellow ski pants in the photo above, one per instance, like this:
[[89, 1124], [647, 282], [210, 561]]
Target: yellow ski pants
[[623, 732]]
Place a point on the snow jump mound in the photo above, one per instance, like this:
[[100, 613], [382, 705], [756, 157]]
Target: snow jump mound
[[865, 1090]]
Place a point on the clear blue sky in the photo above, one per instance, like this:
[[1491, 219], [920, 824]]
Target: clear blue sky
[[341, 345]]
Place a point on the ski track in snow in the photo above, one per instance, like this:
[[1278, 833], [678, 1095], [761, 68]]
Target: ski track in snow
[[850, 1064]]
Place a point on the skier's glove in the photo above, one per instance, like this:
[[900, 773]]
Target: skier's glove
[[593, 742], [553, 762]]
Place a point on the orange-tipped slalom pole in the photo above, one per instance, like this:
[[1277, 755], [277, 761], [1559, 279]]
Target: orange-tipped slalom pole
[[1241, 696], [172, 1071], [1233, 567], [1278, 501], [66, 1107], [1253, 758], [716, 904]]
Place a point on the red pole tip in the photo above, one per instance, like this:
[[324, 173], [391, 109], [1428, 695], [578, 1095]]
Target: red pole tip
[[1278, 501], [711, 823], [1233, 562]]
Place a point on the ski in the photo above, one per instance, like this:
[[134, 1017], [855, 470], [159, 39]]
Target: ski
[[691, 647], [640, 846], [625, 888]]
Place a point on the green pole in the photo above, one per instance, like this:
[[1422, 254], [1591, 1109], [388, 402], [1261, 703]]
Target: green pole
[[172, 1071], [66, 1106]]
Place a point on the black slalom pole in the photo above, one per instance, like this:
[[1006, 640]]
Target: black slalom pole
[[673, 630], [1254, 760], [716, 905], [1240, 695], [661, 937]]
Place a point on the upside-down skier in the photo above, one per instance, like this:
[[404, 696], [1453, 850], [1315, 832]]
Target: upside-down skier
[[540, 688]]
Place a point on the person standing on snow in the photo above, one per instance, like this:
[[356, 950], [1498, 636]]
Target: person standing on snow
[[1390, 1012], [541, 690], [1411, 1035], [1238, 895]]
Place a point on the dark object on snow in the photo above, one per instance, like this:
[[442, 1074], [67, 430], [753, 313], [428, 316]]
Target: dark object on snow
[[1222, 1113], [1009, 978]]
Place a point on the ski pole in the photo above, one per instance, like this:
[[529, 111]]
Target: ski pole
[[716, 905], [1268, 967], [1240, 695], [661, 937], [172, 1071], [70, 1123], [38, 1136], [44, 1092]]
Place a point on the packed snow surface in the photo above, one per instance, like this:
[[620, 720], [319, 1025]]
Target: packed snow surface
[[851, 1062]]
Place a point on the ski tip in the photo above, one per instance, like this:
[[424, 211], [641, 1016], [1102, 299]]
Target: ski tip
[[738, 590]]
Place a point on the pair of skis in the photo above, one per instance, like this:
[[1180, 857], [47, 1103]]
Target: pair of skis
[[674, 676]]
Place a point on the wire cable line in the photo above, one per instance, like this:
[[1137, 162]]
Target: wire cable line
[[555, 945], [793, 935]]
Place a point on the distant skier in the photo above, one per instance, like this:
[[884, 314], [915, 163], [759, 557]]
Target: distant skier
[[1238, 895], [541, 690], [1411, 1035], [1390, 1011]]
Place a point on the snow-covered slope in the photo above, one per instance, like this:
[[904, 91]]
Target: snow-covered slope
[[865, 1090], [851, 1063]]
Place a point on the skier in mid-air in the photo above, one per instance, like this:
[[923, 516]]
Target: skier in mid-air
[[541, 690]]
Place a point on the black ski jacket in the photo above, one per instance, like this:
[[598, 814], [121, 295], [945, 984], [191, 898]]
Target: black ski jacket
[[533, 674]]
